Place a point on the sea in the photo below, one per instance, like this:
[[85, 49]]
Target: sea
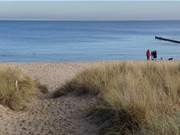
[[57, 41]]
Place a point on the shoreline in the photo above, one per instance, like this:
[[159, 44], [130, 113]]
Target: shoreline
[[87, 61]]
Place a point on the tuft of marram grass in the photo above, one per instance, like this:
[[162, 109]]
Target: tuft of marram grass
[[134, 97], [15, 88]]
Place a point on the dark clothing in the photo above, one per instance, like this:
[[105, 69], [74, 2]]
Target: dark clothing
[[170, 59], [152, 55], [155, 54]]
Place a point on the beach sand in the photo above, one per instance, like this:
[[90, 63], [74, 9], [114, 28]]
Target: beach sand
[[47, 116]]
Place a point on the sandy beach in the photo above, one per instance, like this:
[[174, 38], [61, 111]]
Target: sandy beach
[[82, 67], [46, 116]]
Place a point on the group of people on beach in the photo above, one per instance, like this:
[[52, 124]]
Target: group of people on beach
[[151, 55]]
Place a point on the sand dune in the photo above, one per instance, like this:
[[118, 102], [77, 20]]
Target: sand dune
[[66, 115], [46, 116]]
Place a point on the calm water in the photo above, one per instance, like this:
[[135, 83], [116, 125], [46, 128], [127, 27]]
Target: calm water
[[28, 41]]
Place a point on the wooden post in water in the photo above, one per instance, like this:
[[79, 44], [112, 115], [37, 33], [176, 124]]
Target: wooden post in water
[[166, 39]]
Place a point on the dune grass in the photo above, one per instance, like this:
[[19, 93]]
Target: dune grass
[[134, 97], [15, 88]]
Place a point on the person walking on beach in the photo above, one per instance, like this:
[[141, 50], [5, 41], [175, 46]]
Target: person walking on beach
[[152, 55], [155, 55], [148, 54]]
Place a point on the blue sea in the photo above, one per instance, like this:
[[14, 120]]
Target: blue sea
[[53, 41]]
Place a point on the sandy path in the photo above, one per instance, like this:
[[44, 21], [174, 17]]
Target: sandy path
[[45, 116]]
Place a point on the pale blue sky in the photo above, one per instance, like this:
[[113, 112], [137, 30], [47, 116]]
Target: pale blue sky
[[54, 10]]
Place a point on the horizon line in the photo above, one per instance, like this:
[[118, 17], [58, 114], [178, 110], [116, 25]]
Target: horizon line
[[54, 20]]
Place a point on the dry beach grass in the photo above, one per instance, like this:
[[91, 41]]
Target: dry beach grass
[[15, 88], [134, 97], [98, 98]]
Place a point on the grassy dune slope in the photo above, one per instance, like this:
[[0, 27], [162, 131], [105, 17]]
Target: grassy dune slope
[[134, 97], [15, 88]]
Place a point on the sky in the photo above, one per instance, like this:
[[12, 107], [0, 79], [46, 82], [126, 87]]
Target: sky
[[89, 10]]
